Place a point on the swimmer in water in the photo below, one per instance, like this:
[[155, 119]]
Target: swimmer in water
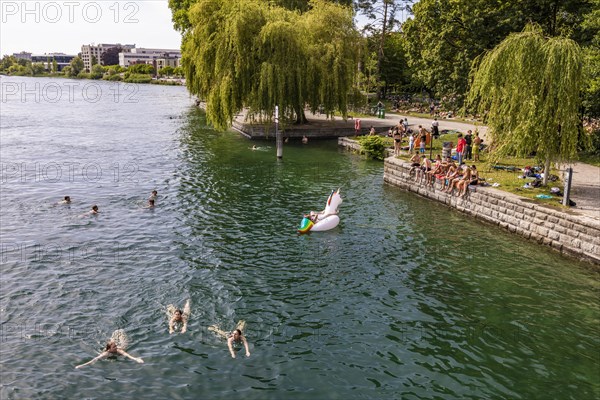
[[235, 338], [304, 140], [254, 147], [150, 203], [66, 200], [153, 195], [115, 346], [178, 317]]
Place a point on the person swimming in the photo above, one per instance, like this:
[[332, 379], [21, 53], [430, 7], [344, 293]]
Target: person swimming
[[93, 211], [177, 317], [153, 195], [254, 147], [66, 200], [115, 346], [235, 338], [150, 203]]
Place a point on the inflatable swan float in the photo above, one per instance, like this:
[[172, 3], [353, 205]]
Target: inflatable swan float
[[324, 220]]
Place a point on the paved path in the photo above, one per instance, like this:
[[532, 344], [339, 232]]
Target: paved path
[[585, 189]]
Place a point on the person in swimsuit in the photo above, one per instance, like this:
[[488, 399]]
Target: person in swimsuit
[[113, 349], [153, 195], [66, 200], [150, 203], [235, 338], [179, 317], [397, 142]]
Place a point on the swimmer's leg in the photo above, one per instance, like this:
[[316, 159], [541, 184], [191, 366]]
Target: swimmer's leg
[[170, 311], [120, 338], [241, 325], [186, 309], [218, 331]]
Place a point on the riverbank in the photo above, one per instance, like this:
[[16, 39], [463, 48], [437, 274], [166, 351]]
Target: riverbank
[[151, 81], [568, 231]]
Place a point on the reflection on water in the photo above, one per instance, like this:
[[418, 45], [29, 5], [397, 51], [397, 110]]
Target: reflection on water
[[404, 299]]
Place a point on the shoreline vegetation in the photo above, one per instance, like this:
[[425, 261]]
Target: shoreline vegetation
[[137, 73], [137, 78]]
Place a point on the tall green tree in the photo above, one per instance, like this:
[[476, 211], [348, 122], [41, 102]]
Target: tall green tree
[[382, 18], [111, 56], [181, 19], [76, 66], [591, 93], [444, 37], [269, 56], [529, 88]]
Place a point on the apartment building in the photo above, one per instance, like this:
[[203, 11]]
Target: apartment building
[[91, 51]]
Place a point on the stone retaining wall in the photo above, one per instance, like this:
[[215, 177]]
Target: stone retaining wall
[[564, 231]]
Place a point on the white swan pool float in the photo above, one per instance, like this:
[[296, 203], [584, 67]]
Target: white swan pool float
[[326, 219]]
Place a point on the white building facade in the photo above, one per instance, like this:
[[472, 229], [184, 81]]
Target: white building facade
[[159, 58], [91, 51]]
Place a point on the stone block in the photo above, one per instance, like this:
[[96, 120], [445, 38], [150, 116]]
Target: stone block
[[519, 210], [589, 247], [560, 229], [542, 231], [541, 215], [552, 219]]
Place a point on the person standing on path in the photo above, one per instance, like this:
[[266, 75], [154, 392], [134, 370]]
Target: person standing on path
[[435, 128], [423, 138], [469, 148], [476, 144], [460, 148]]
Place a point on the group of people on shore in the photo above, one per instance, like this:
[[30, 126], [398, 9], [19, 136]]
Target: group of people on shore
[[178, 320], [468, 147], [451, 175]]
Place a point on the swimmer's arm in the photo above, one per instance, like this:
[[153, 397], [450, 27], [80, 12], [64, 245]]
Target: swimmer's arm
[[184, 327], [102, 355], [124, 353], [230, 345], [246, 346], [172, 325]]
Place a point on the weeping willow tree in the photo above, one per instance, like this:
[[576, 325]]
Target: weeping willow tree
[[249, 53], [529, 89]]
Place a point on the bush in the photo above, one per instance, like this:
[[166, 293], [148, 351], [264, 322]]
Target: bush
[[372, 146], [116, 77], [137, 78]]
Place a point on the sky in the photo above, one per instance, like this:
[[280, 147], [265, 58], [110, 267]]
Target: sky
[[63, 26]]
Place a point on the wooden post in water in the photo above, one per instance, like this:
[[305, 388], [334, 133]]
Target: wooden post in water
[[278, 135]]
